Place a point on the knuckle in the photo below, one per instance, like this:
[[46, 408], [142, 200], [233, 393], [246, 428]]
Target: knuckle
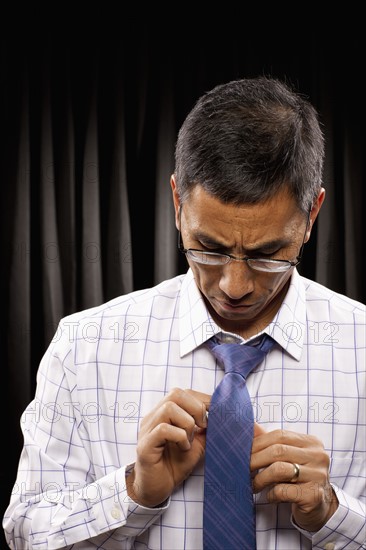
[[324, 460], [190, 423], [278, 491], [280, 470], [279, 450], [161, 430], [318, 492], [175, 394], [281, 435], [167, 408], [173, 415]]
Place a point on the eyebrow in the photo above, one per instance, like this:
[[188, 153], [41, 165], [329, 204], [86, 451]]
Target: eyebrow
[[262, 247]]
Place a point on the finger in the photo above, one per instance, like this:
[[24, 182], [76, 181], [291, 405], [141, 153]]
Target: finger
[[312, 504], [193, 403], [202, 397], [311, 453], [205, 400], [152, 445], [280, 472], [258, 430], [289, 492], [280, 452], [285, 437], [170, 412], [308, 495]]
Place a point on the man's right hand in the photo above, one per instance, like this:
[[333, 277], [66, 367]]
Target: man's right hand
[[170, 444]]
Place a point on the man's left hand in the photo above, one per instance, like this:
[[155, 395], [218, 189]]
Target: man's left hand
[[276, 455]]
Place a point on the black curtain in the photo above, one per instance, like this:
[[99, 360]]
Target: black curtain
[[90, 109]]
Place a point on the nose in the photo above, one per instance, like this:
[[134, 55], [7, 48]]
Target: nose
[[237, 280]]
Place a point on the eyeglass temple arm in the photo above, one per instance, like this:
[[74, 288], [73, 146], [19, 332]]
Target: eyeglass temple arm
[[180, 240], [299, 256]]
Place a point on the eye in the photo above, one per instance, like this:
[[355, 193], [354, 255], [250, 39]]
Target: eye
[[212, 247], [267, 254]]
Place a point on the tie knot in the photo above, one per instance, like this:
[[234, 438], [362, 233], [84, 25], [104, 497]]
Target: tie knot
[[241, 358]]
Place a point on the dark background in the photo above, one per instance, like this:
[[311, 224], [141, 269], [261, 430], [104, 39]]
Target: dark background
[[150, 67]]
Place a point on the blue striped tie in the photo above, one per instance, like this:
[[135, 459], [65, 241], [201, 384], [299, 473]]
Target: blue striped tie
[[228, 510]]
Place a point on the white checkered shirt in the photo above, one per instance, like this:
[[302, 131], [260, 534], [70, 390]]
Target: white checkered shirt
[[108, 366]]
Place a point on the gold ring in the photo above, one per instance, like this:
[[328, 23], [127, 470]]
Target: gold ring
[[295, 477]]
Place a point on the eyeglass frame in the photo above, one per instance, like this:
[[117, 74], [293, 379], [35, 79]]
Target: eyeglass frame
[[246, 259]]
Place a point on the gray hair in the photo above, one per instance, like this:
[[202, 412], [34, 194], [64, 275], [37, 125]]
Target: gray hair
[[246, 139]]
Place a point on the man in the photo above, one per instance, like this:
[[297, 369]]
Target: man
[[114, 449]]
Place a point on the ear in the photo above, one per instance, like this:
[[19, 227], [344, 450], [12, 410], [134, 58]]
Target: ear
[[317, 204], [176, 200]]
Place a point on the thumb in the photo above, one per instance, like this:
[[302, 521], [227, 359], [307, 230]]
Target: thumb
[[258, 430]]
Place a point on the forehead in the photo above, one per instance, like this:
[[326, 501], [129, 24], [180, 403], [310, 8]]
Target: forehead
[[277, 217]]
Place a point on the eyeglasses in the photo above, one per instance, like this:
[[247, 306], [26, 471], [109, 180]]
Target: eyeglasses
[[266, 265]]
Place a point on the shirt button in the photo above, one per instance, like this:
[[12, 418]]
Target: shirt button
[[329, 546], [116, 513]]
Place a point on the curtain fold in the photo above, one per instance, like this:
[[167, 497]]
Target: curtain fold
[[51, 276], [66, 197], [328, 245], [91, 245], [18, 335], [354, 204], [119, 268], [165, 241]]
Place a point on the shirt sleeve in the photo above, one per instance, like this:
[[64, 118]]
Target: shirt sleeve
[[346, 529], [57, 501]]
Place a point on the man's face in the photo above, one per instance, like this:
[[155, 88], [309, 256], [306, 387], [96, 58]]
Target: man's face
[[240, 299]]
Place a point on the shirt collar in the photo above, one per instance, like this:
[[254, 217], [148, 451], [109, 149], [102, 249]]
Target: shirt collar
[[196, 325], [195, 322], [289, 325]]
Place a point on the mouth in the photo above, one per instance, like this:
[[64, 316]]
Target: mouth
[[231, 309], [233, 305]]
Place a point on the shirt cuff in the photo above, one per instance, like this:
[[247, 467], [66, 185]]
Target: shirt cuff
[[346, 529], [118, 509]]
